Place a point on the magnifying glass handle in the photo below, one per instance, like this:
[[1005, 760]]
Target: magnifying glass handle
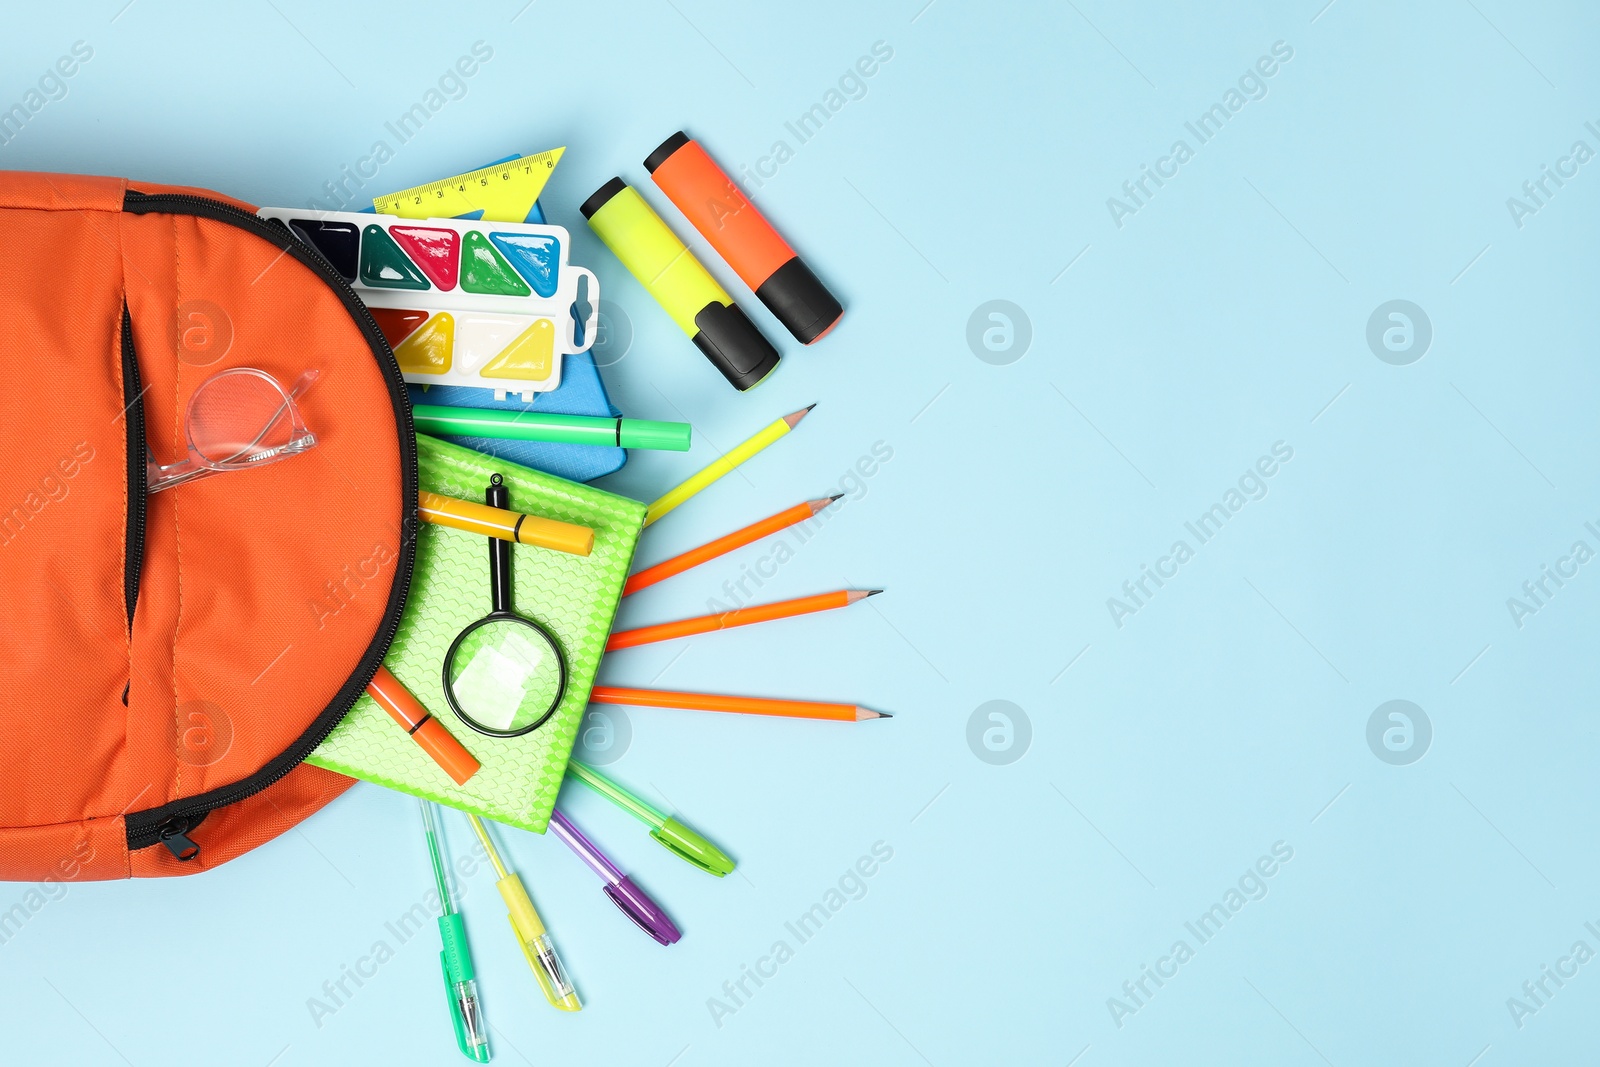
[[497, 496]]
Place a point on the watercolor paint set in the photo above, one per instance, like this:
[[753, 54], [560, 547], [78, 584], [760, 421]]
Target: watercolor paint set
[[488, 305]]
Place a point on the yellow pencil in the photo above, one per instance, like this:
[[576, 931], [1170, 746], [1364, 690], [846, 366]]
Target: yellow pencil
[[712, 472]]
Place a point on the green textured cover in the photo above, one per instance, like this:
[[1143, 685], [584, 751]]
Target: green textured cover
[[575, 597]]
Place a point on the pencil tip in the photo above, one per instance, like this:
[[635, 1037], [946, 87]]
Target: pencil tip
[[836, 496], [884, 715], [873, 592], [794, 417]]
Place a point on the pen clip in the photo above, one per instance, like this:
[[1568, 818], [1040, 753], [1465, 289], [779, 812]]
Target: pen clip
[[457, 1021], [645, 913], [455, 961], [692, 847], [537, 947], [553, 981]]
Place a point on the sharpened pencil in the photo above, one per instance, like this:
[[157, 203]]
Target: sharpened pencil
[[723, 545], [735, 456], [704, 624], [796, 709]]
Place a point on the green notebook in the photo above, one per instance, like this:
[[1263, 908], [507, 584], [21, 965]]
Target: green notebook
[[574, 597]]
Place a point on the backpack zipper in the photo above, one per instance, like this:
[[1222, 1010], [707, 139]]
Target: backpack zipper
[[175, 835], [138, 475], [171, 823]]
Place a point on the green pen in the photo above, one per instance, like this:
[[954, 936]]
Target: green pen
[[461, 987], [611, 432], [678, 838]]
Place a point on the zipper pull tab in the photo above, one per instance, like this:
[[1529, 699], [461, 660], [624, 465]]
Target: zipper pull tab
[[178, 842]]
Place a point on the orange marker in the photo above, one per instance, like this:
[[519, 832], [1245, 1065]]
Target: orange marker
[[723, 545], [429, 733], [477, 518], [764, 261], [797, 709], [704, 624]]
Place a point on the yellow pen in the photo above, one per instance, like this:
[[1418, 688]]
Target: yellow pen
[[712, 471], [530, 931]]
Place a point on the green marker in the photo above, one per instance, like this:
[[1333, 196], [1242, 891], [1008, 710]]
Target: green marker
[[559, 429], [460, 985], [677, 837]]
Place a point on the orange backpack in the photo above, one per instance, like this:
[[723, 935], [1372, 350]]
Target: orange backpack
[[167, 660]]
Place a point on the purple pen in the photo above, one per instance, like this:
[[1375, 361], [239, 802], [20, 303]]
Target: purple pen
[[633, 901]]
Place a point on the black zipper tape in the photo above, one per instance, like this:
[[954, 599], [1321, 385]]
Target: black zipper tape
[[138, 475], [171, 823]]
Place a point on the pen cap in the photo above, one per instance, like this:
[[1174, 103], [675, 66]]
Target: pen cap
[[446, 751], [536, 944], [507, 525], [798, 299], [473, 1045], [645, 913], [644, 433], [553, 534], [734, 346], [688, 844]]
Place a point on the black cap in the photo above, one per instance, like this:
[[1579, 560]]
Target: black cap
[[800, 301], [601, 195], [733, 344], [664, 152]]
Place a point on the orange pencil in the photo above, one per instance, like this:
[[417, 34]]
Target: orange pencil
[[797, 709], [723, 545], [703, 624]]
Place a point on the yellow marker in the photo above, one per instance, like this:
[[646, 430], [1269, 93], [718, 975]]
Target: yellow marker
[[504, 192], [530, 931], [684, 490], [679, 282]]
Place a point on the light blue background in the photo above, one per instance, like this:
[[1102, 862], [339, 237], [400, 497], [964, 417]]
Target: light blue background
[[1167, 755]]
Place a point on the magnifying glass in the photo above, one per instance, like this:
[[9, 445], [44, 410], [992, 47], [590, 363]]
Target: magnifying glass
[[504, 674]]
